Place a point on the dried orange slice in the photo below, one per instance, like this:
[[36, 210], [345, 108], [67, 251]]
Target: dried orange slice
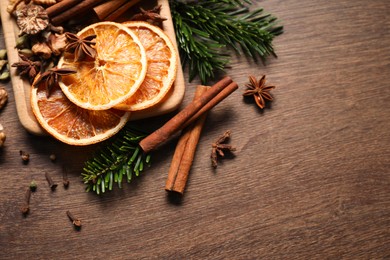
[[115, 73], [72, 124], [162, 65]]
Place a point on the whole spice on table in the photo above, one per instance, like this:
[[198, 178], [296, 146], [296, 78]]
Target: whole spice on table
[[3, 54], [27, 68], [75, 221], [25, 208], [259, 91], [65, 180], [51, 77], [2, 136], [129, 154], [42, 50], [81, 47], [52, 184], [25, 156], [3, 97], [185, 151], [219, 148], [76, 10], [175, 124], [121, 10], [151, 16], [33, 186], [31, 19]]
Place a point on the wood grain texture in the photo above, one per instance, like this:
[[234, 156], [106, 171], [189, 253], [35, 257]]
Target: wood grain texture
[[310, 178]]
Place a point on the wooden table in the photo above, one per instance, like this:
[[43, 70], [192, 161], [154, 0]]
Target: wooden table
[[310, 179]]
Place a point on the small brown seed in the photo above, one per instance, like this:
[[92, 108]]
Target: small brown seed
[[25, 156], [52, 157]]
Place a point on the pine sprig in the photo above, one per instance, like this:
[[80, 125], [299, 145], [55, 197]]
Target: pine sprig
[[203, 28], [117, 161]]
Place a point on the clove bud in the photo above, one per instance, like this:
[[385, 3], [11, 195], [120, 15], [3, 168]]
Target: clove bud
[[76, 221], [52, 184], [25, 208]]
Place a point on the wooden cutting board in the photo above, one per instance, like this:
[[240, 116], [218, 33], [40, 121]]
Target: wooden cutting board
[[21, 87]]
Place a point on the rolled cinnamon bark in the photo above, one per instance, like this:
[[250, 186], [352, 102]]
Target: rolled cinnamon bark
[[175, 124], [185, 151]]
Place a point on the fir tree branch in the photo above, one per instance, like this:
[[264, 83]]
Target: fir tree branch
[[203, 28], [120, 159]]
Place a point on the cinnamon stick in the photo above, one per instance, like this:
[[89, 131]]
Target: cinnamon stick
[[162, 134], [105, 9], [185, 151], [121, 10], [215, 101], [60, 7], [75, 11]]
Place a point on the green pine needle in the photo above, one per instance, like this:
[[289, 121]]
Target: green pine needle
[[205, 27], [116, 162]]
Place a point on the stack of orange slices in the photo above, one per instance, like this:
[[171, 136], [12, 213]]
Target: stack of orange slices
[[134, 68]]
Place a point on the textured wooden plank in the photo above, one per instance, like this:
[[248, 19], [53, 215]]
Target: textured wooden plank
[[310, 179]]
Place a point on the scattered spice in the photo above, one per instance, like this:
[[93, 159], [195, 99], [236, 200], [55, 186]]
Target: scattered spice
[[52, 184], [32, 19], [33, 186], [191, 112], [42, 50], [219, 148], [25, 208], [27, 68], [51, 77], [52, 157], [185, 151], [57, 43], [75, 221], [65, 180], [25, 156], [258, 90], [151, 16], [3, 97], [2, 136], [3, 54], [44, 2], [81, 46]]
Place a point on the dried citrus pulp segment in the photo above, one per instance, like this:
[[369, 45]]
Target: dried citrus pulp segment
[[162, 65], [113, 75], [72, 124]]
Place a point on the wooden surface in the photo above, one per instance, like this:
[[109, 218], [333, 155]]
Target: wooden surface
[[21, 87], [310, 179]]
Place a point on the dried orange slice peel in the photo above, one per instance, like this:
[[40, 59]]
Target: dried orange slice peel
[[72, 124], [113, 75], [162, 61]]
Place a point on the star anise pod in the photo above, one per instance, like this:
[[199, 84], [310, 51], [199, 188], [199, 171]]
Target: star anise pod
[[51, 77], [219, 148], [81, 46], [27, 68], [259, 91], [151, 16]]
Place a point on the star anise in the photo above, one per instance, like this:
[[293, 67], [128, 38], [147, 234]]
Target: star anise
[[219, 148], [151, 16], [259, 91], [81, 46], [27, 68], [51, 77]]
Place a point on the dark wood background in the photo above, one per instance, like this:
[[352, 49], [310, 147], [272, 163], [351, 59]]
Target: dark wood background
[[310, 179]]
